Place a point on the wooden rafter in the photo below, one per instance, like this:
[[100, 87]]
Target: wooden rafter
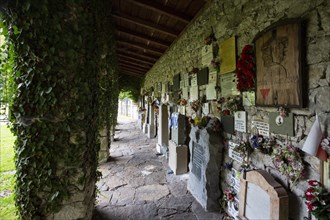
[[143, 37], [133, 71], [126, 72], [133, 67], [152, 5], [140, 46], [134, 63], [144, 56], [132, 58], [147, 24]]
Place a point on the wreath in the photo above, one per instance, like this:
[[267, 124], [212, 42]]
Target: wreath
[[246, 69], [288, 162]]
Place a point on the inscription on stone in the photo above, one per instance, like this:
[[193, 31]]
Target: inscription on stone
[[263, 127], [197, 160]]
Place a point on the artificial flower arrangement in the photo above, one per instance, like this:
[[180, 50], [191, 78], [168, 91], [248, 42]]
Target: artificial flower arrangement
[[317, 200], [228, 196], [287, 160], [264, 145], [244, 148], [325, 144], [246, 69], [182, 102], [230, 105]]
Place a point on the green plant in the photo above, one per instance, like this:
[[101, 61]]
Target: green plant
[[58, 65]]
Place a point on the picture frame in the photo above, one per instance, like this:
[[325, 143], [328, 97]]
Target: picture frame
[[325, 173], [279, 52]]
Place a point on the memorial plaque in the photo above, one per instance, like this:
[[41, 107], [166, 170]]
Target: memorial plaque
[[182, 109], [262, 127], [176, 82], [232, 209], [228, 56], [194, 93], [234, 179], [281, 125], [234, 154], [207, 55], [228, 85], [197, 160], [186, 80], [213, 77], [206, 108], [194, 79], [257, 202], [228, 124], [211, 92], [185, 93], [203, 76], [240, 121], [181, 84]]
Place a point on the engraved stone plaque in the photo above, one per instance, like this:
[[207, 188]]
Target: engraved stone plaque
[[228, 56], [197, 159]]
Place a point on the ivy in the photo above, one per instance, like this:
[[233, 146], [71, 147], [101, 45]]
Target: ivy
[[66, 79]]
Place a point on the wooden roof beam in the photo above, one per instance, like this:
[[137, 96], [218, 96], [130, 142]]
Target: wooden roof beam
[[145, 57], [133, 67], [134, 63], [141, 46], [146, 24], [133, 71], [125, 72], [143, 37], [132, 58], [163, 10]]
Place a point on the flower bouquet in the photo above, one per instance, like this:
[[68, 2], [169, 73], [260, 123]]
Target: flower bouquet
[[317, 200], [246, 69]]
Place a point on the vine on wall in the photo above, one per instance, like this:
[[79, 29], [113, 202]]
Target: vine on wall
[[58, 71]]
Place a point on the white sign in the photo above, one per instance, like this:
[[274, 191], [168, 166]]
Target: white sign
[[213, 77], [206, 108], [232, 208], [234, 179], [211, 92], [240, 121], [181, 84], [263, 127], [185, 93], [193, 93], [234, 154], [194, 79], [257, 202], [207, 55]]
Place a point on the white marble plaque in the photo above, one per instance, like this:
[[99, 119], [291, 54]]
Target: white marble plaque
[[234, 154], [257, 204], [228, 85], [234, 179], [213, 77], [206, 108], [182, 109], [263, 127], [240, 121], [194, 79], [193, 93], [181, 84], [185, 93], [211, 92], [232, 208], [207, 55]]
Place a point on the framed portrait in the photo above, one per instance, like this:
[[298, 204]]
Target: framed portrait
[[279, 52], [325, 174]]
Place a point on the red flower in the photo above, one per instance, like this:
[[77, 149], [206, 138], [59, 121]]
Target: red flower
[[313, 182], [246, 69]]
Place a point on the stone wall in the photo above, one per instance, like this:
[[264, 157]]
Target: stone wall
[[244, 19]]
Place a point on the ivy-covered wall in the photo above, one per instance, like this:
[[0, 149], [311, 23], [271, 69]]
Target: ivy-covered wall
[[65, 71], [244, 19]]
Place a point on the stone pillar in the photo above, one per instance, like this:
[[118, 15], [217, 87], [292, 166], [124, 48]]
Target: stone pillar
[[104, 145], [162, 129], [178, 130], [151, 124]]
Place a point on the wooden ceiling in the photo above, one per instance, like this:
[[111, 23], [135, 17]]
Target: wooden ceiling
[[145, 29]]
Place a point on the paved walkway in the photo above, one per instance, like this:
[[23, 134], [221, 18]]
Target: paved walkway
[[136, 183]]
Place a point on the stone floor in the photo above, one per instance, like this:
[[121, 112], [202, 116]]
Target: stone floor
[[137, 183]]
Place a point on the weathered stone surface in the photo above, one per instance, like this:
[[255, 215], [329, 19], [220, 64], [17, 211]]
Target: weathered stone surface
[[151, 192]]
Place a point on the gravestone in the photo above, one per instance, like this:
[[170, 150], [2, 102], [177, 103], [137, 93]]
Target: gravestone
[[151, 122], [178, 158], [178, 128], [162, 144], [261, 197], [206, 149]]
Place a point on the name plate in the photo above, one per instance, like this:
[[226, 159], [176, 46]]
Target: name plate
[[193, 93], [194, 80], [234, 154], [263, 127], [240, 121]]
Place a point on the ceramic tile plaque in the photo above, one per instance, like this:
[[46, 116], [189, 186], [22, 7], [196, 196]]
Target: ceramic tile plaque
[[194, 79], [213, 77], [228, 56], [240, 121], [281, 125], [206, 108], [193, 93], [228, 85], [234, 154], [211, 92], [185, 93], [279, 68], [207, 55], [248, 98]]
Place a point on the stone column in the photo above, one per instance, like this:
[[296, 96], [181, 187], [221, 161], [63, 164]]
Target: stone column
[[162, 129], [145, 123], [104, 145], [151, 124]]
